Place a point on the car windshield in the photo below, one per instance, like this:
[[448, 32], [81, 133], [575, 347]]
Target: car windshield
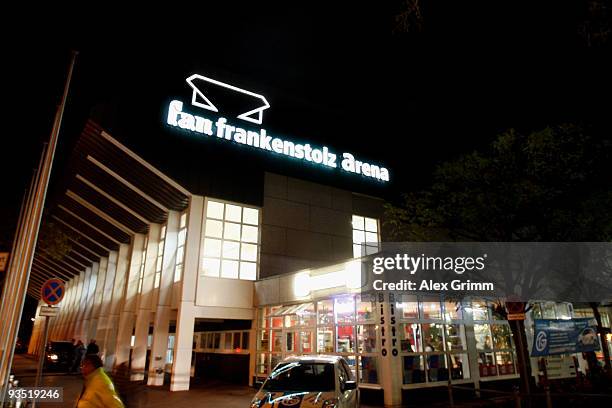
[[299, 376]]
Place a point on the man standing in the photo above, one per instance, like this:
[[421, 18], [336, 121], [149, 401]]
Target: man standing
[[98, 390], [79, 353]]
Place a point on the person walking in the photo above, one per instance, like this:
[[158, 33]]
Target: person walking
[[79, 353], [98, 390]]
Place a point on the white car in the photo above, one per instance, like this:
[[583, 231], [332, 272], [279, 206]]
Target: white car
[[309, 382]]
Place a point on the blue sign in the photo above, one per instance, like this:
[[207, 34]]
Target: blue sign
[[552, 337], [52, 291]]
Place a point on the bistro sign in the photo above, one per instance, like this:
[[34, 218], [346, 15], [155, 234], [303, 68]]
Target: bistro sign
[[260, 139]]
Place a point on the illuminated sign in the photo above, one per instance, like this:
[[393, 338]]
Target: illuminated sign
[[249, 106]]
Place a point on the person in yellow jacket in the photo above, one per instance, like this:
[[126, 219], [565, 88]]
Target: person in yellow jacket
[[98, 390]]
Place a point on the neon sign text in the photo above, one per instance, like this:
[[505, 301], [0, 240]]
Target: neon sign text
[[221, 129]]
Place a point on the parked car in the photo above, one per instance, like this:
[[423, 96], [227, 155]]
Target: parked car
[[58, 355], [309, 381]]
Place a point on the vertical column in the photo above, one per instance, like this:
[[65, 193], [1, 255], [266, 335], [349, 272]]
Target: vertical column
[[93, 283], [107, 297], [161, 325], [75, 306], [470, 338], [391, 371], [128, 309], [82, 305], [65, 311], [110, 339], [33, 345], [99, 294], [145, 305], [185, 318]]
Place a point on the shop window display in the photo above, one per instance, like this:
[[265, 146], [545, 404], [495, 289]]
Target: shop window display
[[306, 342], [431, 308], [366, 335], [345, 325], [325, 311], [365, 308], [452, 310], [495, 349], [345, 339], [433, 351], [455, 337], [480, 311], [409, 308], [325, 340]]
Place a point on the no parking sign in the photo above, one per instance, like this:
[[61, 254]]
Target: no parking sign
[[52, 291]]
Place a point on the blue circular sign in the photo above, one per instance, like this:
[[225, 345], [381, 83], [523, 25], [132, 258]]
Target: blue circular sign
[[52, 291]]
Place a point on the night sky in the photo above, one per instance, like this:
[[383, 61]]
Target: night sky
[[335, 75]]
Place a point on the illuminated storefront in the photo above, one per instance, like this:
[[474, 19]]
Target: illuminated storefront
[[438, 339]]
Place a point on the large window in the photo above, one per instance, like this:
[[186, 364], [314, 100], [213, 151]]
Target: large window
[[180, 250], [160, 256], [433, 342], [222, 342], [494, 343], [231, 241], [365, 236]]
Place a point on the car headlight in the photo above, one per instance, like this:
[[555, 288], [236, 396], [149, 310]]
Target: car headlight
[[53, 357], [330, 403]]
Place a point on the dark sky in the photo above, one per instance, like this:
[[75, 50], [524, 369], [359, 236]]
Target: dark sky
[[333, 74]]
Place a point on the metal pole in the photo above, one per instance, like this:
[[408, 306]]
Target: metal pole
[[9, 290], [41, 357], [524, 374], [517, 397], [22, 272], [7, 282]]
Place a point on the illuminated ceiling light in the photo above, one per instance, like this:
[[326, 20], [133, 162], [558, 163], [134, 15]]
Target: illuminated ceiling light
[[301, 284], [353, 274]]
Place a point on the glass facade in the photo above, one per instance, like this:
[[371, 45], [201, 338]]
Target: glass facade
[[438, 338], [344, 325], [433, 341]]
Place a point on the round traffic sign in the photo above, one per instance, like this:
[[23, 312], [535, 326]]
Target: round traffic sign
[[52, 291]]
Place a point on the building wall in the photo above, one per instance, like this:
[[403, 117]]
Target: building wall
[[307, 225]]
